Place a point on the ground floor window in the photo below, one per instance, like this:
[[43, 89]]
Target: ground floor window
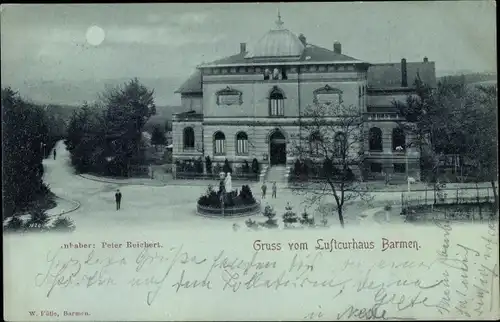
[[399, 167], [241, 143], [219, 143], [376, 167]]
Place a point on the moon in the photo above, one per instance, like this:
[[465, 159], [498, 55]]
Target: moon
[[95, 35]]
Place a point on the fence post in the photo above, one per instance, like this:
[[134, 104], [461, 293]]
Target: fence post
[[457, 195], [426, 195]]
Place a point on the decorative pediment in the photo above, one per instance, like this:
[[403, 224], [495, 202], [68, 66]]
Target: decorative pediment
[[229, 96], [327, 95]]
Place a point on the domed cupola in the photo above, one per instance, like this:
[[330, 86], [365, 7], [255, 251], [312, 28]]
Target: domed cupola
[[278, 42]]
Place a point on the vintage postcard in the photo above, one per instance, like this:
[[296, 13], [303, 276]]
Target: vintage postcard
[[250, 161]]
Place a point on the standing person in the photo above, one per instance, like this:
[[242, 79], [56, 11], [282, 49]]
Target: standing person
[[118, 199], [54, 153], [274, 190], [264, 188]]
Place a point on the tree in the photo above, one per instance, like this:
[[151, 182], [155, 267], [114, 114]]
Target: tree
[[331, 135], [106, 137], [482, 147], [128, 107], [444, 121], [86, 139], [158, 136], [25, 133]]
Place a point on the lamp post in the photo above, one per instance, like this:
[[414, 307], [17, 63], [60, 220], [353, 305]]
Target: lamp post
[[401, 149]]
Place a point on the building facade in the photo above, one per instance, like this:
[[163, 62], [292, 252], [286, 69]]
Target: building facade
[[248, 105]]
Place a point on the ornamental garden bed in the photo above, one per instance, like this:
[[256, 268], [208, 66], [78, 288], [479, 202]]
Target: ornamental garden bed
[[221, 204]]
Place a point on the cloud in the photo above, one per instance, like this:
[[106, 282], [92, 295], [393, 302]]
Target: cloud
[[159, 35], [192, 18]]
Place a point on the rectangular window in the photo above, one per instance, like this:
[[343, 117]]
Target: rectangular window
[[220, 147], [376, 167], [242, 147], [399, 168], [277, 107]]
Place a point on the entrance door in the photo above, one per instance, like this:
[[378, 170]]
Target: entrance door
[[277, 148]]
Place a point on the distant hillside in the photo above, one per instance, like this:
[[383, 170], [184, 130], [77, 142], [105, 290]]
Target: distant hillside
[[71, 92], [472, 78], [163, 114]]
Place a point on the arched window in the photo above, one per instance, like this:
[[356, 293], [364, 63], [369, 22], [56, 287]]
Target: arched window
[[398, 139], [375, 139], [276, 103], [315, 141], [188, 138], [241, 143], [340, 144], [219, 143]]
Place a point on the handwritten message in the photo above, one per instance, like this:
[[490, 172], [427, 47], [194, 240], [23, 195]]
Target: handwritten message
[[326, 278]]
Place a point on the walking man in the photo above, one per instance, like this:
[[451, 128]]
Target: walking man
[[54, 153], [118, 199], [274, 190], [264, 188]]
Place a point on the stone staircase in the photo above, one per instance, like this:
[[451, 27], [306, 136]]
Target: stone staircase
[[277, 173]]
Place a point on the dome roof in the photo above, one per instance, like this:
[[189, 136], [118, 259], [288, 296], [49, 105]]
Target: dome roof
[[278, 42]]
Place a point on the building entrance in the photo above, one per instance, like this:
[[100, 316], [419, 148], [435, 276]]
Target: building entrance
[[277, 148]]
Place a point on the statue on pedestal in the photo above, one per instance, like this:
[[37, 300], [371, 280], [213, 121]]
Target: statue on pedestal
[[228, 184]]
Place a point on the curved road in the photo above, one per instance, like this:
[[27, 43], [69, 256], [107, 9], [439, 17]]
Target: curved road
[[174, 206]]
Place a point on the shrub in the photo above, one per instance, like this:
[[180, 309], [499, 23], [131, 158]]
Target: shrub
[[252, 224], [208, 164], [246, 167], [306, 219], [227, 167], [289, 217], [38, 220], [63, 224], [216, 169], [255, 166], [269, 212], [199, 165], [15, 224], [246, 195], [388, 207], [212, 198]]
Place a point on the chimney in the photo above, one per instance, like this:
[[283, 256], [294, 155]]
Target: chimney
[[404, 73], [243, 47], [426, 60], [337, 48], [302, 39]]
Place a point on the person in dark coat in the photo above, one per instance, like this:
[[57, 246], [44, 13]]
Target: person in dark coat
[[274, 190], [264, 189], [54, 154], [118, 199]]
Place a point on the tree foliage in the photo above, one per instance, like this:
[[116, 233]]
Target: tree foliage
[[453, 119], [158, 136], [106, 137], [26, 133]]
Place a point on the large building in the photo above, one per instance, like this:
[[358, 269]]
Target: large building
[[247, 105]]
